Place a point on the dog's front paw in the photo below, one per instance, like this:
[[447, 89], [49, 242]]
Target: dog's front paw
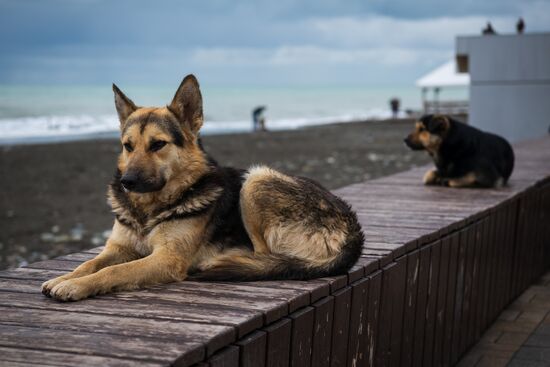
[[431, 177], [70, 290], [48, 285]]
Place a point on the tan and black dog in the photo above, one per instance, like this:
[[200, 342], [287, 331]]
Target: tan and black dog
[[463, 155], [179, 214]]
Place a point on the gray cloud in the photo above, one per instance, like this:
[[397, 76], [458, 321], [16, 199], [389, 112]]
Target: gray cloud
[[246, 41]]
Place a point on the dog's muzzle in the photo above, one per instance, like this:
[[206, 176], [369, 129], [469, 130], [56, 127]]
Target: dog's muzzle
[[414, 146], [136, 183]]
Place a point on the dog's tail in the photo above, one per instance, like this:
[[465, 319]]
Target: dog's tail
[[249, 266]]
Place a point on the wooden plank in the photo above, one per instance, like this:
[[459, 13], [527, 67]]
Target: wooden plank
[[469, 243], [270, 302], [515, 249], [538, 233], [511, 209], [421, 303], [383, 343], [373, 315], [500, 261], [358, 270], [507, 254], [371, 265], [243, 320], [278, 343], [30, 274], [459, 297], [301, 339], [118, 346], [62, 265], [95, 250], [534, 272], [227, 357], [41, 357], [484, 275], [358, 312], [322, 332], [528, 240], [398, 282], [77, 256], [442, 285], [284, 296], [492, 247], [482, 283], [476, 279], [340, 327], [413, 265], [431, 316], [519, 250], [215, 336], [336, 283], [454, 246], [501, 270], [545, 230], [252, 351], [545, 218]]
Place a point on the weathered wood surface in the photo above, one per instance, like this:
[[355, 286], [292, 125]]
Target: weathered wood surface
[[437, 267]]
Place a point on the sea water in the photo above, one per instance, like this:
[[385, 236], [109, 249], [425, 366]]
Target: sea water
[[30, 114]]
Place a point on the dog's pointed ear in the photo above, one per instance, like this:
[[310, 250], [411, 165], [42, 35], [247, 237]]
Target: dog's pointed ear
[[124, 105], [187, 104], [440, 124]]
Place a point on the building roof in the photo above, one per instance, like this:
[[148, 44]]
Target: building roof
[[445, 75]]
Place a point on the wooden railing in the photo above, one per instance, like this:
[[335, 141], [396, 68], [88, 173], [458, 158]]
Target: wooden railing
[[438, 266], [446, 107]]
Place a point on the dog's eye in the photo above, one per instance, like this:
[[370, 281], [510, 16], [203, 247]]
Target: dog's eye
[[128, 147], [157, 145], [421, 128]]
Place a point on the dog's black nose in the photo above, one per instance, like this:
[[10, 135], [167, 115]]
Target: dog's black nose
[[129, 181]]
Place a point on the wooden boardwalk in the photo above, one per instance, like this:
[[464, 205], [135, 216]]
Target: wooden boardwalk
[[438, 266]]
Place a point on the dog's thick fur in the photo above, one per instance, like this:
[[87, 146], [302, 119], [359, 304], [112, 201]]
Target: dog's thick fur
[[178, 214], [463, 155]]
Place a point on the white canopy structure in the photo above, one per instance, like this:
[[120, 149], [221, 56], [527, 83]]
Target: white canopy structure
[[444, 76]]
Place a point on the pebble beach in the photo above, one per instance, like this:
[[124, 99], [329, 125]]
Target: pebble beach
[[53, 195]]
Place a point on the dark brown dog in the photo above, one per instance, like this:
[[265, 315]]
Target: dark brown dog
[[463, 155]]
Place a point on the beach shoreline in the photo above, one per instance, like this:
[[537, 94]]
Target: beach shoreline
[[53, 195], [210, 128]]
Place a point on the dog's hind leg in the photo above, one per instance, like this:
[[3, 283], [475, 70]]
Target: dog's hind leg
[[467, 180], [252, 202], [489, 177], [252, 220]]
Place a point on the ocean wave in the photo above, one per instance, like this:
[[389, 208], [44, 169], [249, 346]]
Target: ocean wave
[[25, 130]]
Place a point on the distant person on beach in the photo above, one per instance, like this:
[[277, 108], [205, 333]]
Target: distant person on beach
[[258, 119], [520, 25], [394, 105], [488, 30]]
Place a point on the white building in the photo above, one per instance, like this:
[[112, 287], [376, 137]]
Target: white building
[[444, 77], [509, 82]]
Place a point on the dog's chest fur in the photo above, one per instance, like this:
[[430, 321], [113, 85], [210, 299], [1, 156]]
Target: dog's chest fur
[[215, 194]]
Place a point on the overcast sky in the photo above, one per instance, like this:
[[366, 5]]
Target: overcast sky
[[243, 42]]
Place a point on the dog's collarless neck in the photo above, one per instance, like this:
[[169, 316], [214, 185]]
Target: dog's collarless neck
[[189, 202]]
